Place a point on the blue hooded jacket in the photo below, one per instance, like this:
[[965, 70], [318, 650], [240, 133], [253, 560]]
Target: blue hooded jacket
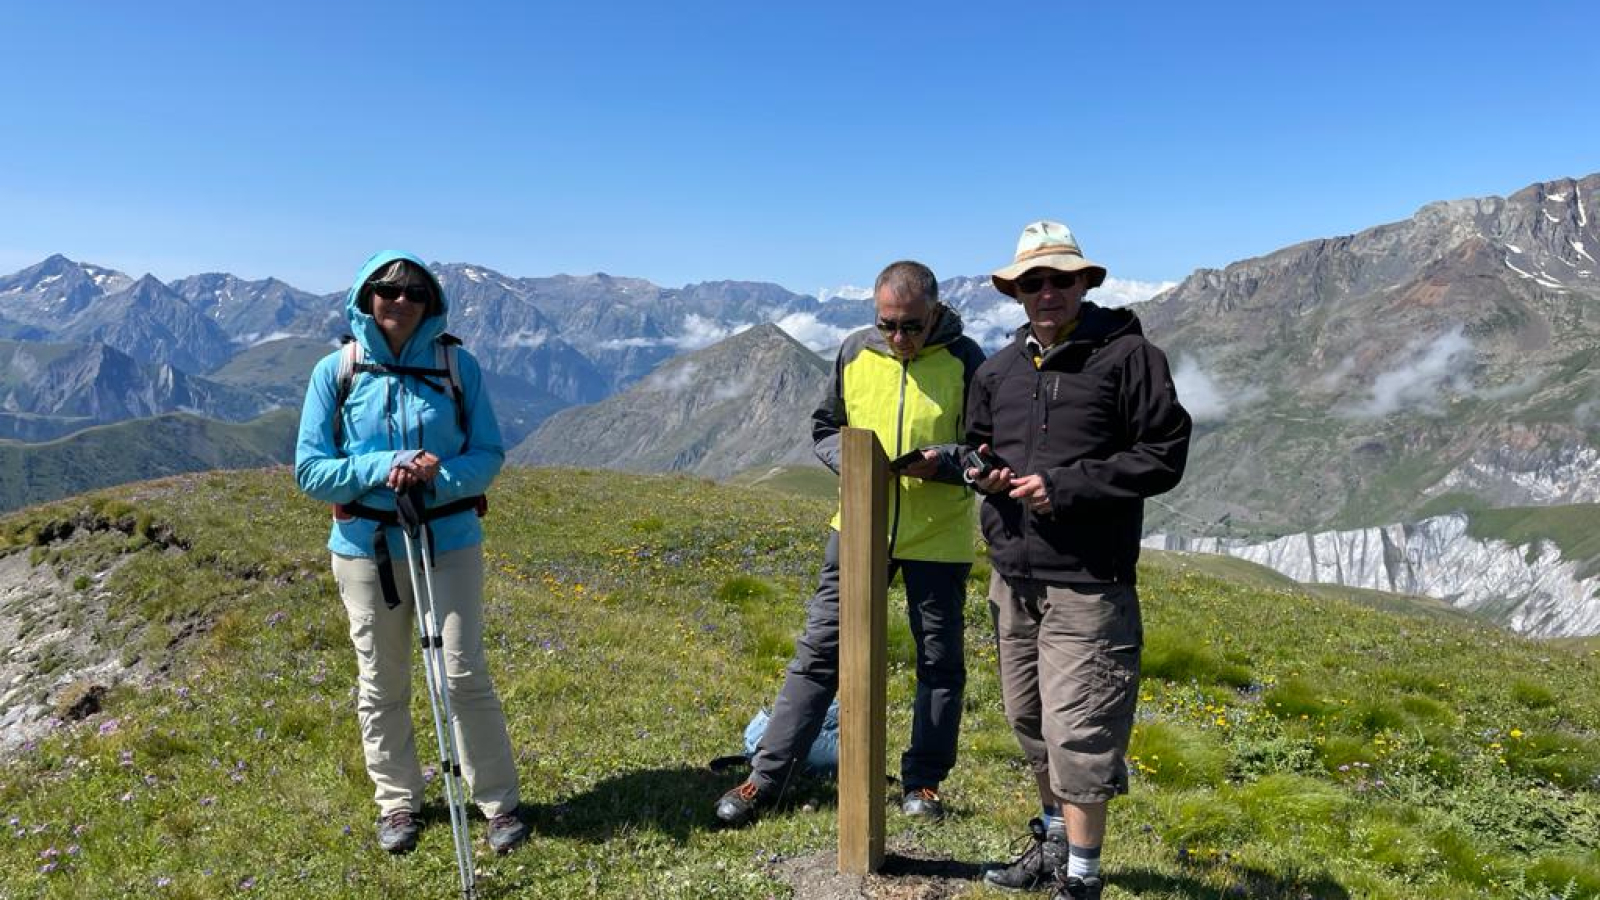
[[386, 414]]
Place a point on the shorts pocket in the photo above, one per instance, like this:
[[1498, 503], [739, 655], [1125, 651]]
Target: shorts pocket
[[1115, 686]]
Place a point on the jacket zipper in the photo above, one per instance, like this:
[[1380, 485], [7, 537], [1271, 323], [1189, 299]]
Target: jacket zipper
[[899, 438]]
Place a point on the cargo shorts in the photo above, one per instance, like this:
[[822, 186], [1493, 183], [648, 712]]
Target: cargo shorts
[[1069, 674]]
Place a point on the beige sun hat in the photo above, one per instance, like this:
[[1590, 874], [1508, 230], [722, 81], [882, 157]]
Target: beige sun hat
[[1046, 245]]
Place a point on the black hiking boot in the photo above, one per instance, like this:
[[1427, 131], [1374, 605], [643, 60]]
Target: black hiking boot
[[923, 803], [741, 805], [397, 831], [1070, 887], [506, 831], [1036, 867]]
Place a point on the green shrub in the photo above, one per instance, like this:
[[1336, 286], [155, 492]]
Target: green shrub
[[1287, 806], [1204, 818], [1427, 710], [1350, 753], [1564, 872], [1532, 694], [1562, 759], [1392, 839], [1180, 659], [1373, 716], [1295, 698], [1176, 755]]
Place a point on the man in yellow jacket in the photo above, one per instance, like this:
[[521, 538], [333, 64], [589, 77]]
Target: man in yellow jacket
[[906, 379]]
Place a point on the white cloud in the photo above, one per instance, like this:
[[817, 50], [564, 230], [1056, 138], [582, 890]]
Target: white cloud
[[1432, 370], [1203, 397], [625, 343], [527, 339], [815, 334], [673, 379], [728, 390], [699, 331], [844, 292], [1122, 291]]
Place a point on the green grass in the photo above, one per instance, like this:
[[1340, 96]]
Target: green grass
[[1574, 529], [1289, 744]]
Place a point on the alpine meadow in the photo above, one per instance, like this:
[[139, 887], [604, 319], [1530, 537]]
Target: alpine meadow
[[1291, 742]]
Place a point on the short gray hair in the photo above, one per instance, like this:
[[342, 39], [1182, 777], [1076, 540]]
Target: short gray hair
[[909, 279]]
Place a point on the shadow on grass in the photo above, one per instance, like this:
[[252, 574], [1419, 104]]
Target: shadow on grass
[[675, 802], [1243, 881]]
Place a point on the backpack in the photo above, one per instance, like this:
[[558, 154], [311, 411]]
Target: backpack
[[353, 361]]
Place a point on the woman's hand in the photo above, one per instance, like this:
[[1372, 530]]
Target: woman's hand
[[422, 469]]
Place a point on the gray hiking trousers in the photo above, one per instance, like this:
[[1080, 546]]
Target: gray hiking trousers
[[936, 594]]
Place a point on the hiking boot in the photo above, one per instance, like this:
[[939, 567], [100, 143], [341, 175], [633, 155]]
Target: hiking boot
[[397, 831], [506, 831], [1036, 867], [1071, 887], [923, 803], [740, 806]]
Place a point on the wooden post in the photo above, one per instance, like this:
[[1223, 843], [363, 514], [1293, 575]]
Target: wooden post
[[863, 643]]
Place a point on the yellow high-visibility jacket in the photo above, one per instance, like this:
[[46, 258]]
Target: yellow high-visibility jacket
[[909, 404]]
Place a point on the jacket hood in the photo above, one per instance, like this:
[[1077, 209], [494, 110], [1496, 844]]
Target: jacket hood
[[365, 328], [1096, 325], [945, 331]]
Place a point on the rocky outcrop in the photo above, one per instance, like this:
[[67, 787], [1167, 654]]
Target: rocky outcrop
[[1528, 588]]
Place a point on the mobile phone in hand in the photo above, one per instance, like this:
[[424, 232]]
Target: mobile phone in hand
[[985, 463], [900, 463]]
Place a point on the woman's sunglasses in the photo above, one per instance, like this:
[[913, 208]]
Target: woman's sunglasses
[[414, 292]]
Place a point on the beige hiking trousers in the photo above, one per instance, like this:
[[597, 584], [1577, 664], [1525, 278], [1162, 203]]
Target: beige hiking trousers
[[384, 639]]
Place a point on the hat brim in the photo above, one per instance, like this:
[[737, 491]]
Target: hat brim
[[1005, 279]]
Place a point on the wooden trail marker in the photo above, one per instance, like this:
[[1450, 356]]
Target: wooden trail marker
[[863, 642]]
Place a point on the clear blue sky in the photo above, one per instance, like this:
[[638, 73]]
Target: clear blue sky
[[806, 144]]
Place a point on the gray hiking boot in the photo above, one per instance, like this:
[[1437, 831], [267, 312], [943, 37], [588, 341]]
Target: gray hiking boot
[[923, 803], [506, 831], [1036, 867], [397, 831], [1073, 888]]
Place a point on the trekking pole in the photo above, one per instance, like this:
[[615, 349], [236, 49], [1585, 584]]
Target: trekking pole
[[433, 671]]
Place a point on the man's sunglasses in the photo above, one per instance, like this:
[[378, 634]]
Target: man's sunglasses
[[907, 327], [416, 293], [1033, 284]]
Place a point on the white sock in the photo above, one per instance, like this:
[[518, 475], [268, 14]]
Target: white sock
[[1083, 862]]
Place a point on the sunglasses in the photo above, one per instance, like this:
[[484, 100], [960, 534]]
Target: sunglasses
[[907, 327], [1033, 284], [416, 293]]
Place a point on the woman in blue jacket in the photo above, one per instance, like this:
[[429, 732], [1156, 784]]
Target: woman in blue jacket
[[396, 428]]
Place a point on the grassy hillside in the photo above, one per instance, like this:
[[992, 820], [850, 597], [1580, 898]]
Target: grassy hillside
[[1289, 745], [140, 448]]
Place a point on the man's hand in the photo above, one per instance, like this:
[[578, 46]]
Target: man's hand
[[996, 480], [1033, 493], [926, 467]]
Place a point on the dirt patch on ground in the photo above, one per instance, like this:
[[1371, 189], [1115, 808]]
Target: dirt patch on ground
[[53, 668], [905, 876]]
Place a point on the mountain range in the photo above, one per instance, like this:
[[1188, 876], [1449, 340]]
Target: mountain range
[[743, 402], [1413, 368]]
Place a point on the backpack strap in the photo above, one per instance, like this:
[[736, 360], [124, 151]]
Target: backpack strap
[[352, 358], [353, 361], [446, 349]]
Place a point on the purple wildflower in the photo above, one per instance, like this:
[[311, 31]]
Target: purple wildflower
[[109, 726], [163, 881]]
